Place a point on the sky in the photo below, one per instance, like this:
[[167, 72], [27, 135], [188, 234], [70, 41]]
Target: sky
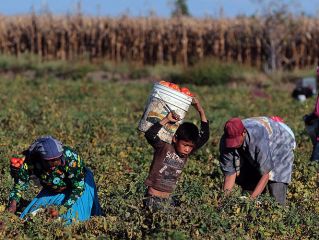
[[163, 8]]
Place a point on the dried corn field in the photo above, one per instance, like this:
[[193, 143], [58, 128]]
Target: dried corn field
[[274, 42]]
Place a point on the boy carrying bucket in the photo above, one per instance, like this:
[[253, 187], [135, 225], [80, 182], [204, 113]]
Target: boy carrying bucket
[[170, 159]]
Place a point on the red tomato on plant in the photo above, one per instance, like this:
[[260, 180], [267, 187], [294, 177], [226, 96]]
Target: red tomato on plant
[[54, 213]]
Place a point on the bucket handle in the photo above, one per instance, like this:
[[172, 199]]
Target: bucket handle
[[165, 105], [163, 102]]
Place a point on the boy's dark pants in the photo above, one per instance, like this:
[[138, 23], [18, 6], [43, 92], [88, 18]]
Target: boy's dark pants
[[249, 177], [154, 203]]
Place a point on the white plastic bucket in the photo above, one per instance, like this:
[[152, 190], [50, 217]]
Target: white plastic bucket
[[155, 110]]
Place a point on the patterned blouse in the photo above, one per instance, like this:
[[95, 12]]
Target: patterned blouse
[[69, 175]]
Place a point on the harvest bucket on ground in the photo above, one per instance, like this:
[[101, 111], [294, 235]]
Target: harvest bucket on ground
[[156, 109]]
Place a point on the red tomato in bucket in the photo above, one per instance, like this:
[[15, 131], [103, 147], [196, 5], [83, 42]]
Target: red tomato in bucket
[[186, 91], [174, 86], [164, 83]]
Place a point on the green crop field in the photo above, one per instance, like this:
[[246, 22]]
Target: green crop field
[[99, 119]]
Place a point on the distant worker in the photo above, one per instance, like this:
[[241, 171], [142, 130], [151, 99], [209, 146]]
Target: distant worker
[[65, 180], [256, 152], [170, 159], [312, 126]]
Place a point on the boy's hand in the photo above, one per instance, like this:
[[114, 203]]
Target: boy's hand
[[171, 117], [12, 206], [197, 104], [199, 109]]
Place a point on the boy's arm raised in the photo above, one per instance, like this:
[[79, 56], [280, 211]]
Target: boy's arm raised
[[204, 129], [199, 109]]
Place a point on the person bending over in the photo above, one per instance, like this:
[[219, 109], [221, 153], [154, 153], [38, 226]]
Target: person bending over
[[65, 180], [256, 152]]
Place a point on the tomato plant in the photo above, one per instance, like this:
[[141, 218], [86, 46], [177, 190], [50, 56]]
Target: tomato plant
[[99, 119]]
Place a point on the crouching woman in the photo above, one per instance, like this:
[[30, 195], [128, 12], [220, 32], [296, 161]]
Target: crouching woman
[[65, 180]]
